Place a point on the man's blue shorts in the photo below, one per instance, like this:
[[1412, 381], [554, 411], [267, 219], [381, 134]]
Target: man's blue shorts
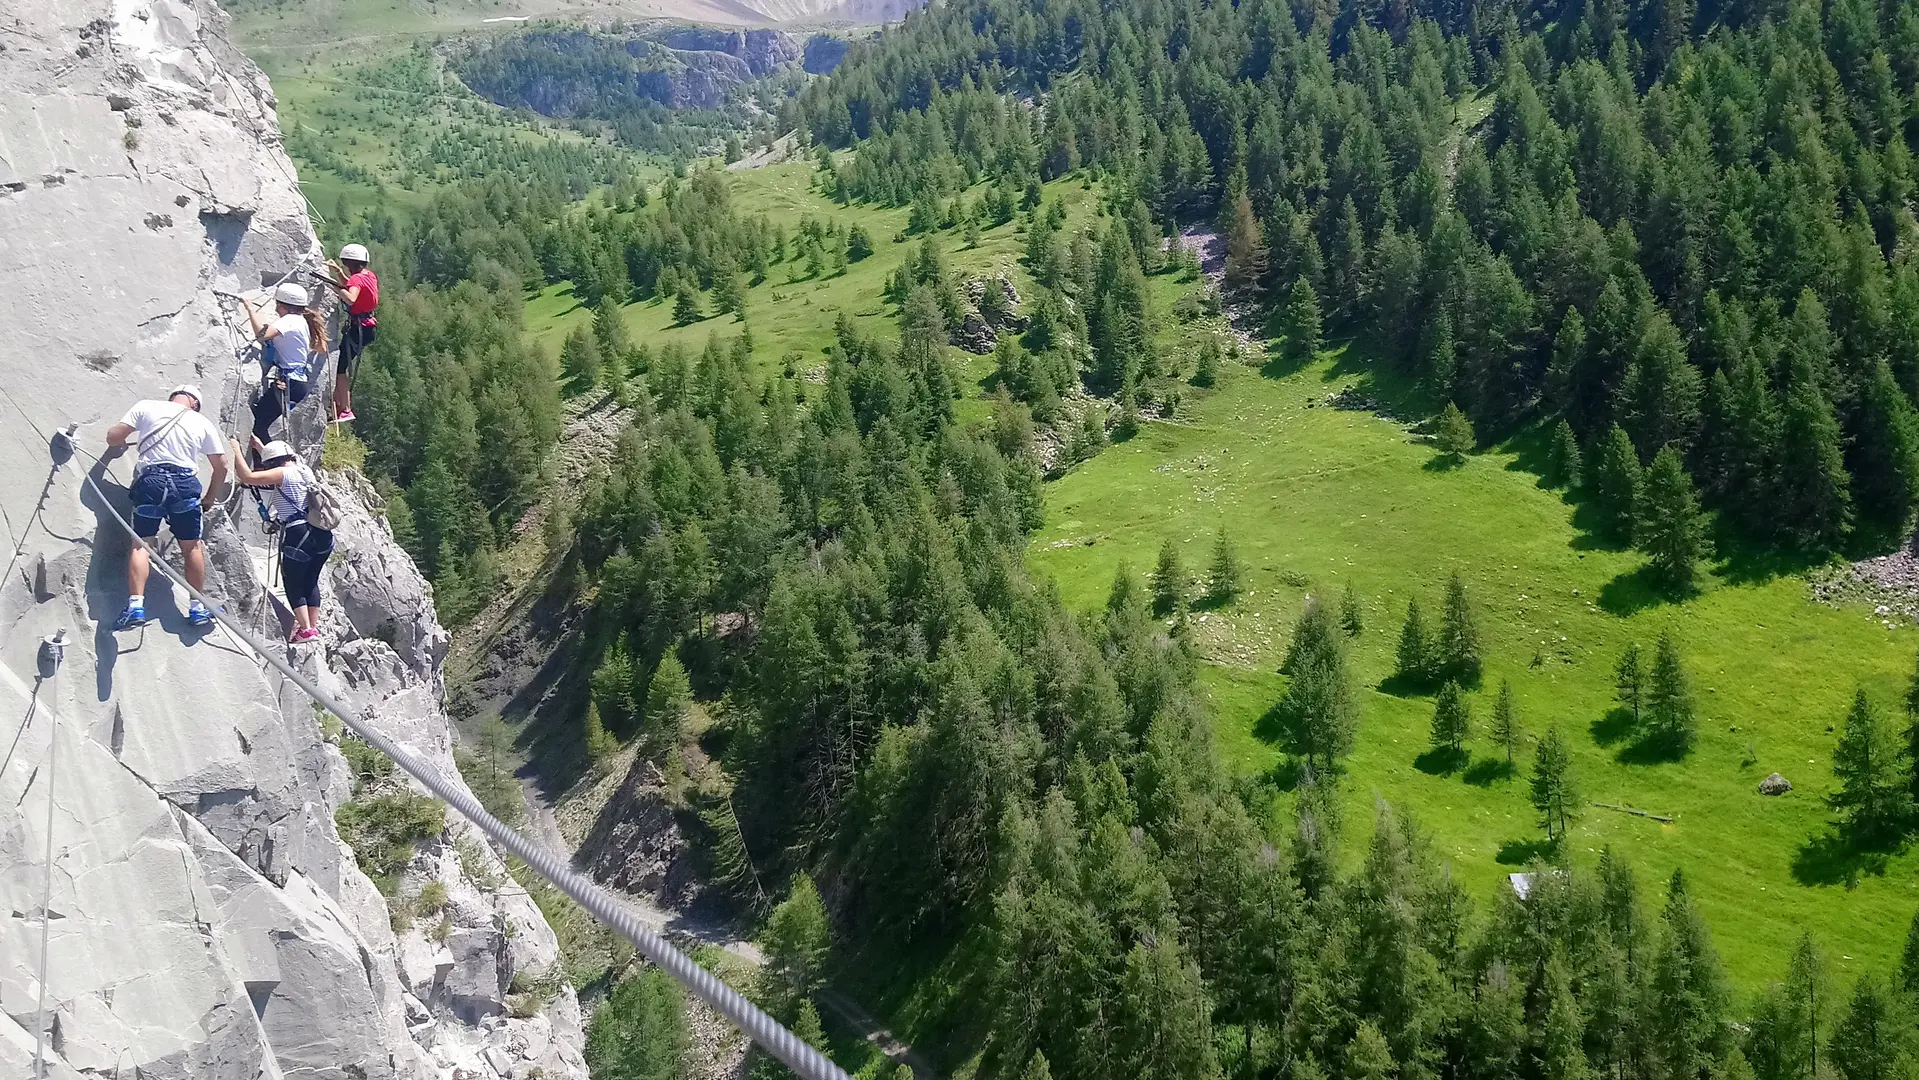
[[169, 491]]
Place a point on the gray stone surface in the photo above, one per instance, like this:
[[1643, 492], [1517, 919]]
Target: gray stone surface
[[1774, 784], [204, 920]]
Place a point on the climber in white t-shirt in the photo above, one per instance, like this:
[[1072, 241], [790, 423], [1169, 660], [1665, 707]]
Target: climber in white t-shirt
[[170, 437]]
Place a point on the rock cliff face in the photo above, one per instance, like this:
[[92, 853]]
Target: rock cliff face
[[204, 918]]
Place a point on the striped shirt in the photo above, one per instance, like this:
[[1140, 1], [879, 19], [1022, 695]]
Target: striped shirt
[[290, 498]]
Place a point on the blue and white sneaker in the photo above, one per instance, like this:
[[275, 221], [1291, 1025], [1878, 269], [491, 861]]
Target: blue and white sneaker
[[134, 617], [198, 615]]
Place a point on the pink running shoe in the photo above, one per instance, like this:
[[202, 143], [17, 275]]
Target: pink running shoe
[[345, 417], [300, 636]]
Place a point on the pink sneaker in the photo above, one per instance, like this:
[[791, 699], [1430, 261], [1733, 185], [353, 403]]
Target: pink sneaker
[[345, 417], [300, 636]]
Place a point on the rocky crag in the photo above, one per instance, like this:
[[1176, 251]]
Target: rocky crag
[[204, 918]]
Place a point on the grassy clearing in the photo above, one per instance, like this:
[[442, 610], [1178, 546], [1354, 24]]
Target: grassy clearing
[[1317, 498]]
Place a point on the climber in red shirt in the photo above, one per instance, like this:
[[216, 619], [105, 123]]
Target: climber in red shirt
[[360, 290]]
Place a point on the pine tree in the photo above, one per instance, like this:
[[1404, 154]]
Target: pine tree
[[1562, 461], [1245, 252], [1169, 579], [616, 346], [1873, 800], [1415, 655], [728, 295], [1909, 959], [1670, 531], [1669, 706], [1458, 644], [970, 233], [1320, 706], [1369, 1056], [640, 1031], [1301, 323], [859, 244], [1224, 574], [1036, 1068], [1617, 480], [1351, 618], [1554, 793], [1452, 719], [1629, 681], [613, 685], [1454, 434], [1505, 731]]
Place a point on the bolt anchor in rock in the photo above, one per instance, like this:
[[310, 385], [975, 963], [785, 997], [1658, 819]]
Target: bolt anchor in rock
[[53, 649]]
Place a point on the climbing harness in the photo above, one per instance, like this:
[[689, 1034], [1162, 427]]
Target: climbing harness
[[53, 650], [769, 1033]]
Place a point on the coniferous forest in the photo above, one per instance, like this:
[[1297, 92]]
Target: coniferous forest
[[1680, 245]]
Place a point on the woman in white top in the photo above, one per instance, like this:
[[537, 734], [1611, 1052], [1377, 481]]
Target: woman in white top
[[288, 345], [303, 548]]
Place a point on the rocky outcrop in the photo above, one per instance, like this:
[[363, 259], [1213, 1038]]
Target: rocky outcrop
[[822, 53], [204, 918], [1774, 784], [636, 844]]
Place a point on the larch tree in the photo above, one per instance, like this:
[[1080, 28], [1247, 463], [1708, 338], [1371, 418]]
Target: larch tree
[[1874, 801], [1669, 704], [1321, 708], [1452, 719], [1300, 321], [1352, 618], [1873, 1038], [1562, 457], [1453, 434], [1670, 531], [1223, 574], [1245, 252], [1414, 659], [1616, 481], [1458, 645], [1554, 794], [1169, 578], [1505, 724], [1629, 681]]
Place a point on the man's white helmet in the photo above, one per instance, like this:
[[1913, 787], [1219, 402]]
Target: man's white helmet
[[354, 253], [189, 390], [290, 294]]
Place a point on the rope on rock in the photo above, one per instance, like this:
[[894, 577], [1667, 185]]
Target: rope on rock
[[770, 1034]]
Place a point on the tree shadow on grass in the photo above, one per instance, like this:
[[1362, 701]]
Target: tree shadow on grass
[[1441, 761], [1832, 859], [1746, 561], [1652, 749], [1531, 447], [1613, 728], [1593, 535], [1273, 726], [1401, 685], [1486, 771], [1523, 852], [1637, 590], [1444, 463]]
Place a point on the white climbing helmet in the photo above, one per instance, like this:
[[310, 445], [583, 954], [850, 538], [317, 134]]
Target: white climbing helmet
[[277, 450], [354, 253], [290, 294], [189, 390]]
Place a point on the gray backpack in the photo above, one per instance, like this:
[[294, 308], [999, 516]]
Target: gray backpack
[[323, 509]]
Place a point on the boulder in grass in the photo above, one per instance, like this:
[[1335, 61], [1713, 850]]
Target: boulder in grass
[[1774, 785]]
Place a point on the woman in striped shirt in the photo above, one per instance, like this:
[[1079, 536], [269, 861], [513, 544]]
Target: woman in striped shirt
[[303, 548]]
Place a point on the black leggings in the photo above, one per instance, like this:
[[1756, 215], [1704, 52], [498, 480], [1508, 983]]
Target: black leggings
[[303, 552], [271, 405], [353, 341]]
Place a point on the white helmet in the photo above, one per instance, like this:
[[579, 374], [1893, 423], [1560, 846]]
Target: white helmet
[[189, 390], [354, 253], [275, 451], [290, 294]]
